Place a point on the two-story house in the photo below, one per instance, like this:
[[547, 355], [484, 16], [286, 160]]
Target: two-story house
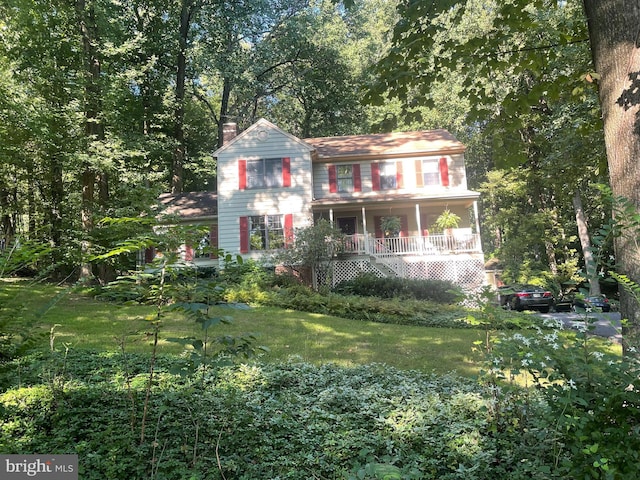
[[385, 191]]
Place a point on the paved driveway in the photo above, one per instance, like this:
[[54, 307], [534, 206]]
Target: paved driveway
[[606, 324]]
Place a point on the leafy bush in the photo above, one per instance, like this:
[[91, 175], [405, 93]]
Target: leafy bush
[[396, 311], [366, 285], [591, 397], [293, 420]]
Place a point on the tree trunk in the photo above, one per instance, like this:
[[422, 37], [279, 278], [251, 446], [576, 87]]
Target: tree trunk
[[179, 152], [583, 234], [56, 194], [224, 108], [94, 128], [615, 42]]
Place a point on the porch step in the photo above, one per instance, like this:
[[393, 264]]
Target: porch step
[[384, 268]]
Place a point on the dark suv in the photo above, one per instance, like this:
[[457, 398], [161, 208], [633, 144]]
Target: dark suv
[[525, 297]]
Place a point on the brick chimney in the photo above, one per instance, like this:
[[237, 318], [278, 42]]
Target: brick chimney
[[229, 132]]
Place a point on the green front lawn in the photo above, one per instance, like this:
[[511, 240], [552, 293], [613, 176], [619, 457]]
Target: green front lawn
[[85, 323]]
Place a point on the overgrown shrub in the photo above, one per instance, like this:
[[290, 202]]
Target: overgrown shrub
[[293, 420], [591, 396], [397, 311], [368, 284]]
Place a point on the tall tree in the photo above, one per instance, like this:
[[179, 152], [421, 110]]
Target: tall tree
[[615, 45]]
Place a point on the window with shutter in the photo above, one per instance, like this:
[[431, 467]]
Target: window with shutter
[[265, 173], [344, 178], [263, 232], [432, 172], [388, 176]]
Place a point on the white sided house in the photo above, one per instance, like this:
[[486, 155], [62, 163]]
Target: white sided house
[[386, 192]]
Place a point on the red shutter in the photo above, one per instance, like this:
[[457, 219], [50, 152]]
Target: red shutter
[[404, 226], [419, 176], [149, 255], [333, 179], [357, 182], [399, 179], [375, 176], [425, 226], [444, 172], [377, 225], [188, 253], [286, 172], [288, 230], [242, 174], [213, 241], [244, 234]]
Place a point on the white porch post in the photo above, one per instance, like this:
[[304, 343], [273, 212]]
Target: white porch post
[[475, 214], [419, 224], [331, 216], [364, 230]]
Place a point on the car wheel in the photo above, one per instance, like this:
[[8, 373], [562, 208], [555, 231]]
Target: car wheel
[[574, 309]]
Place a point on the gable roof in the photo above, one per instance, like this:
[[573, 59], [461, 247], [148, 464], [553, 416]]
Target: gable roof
[[261, 124], [190, 205], [417, 143]]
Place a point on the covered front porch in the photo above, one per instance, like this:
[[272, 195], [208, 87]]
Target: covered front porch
[[365, 222]]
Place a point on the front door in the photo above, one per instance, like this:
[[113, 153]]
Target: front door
[[347, 225]]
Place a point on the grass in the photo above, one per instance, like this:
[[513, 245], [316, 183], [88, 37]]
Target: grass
[[81, 322]]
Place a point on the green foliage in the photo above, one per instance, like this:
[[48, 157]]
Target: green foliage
[[395, 311], [24, 258], [492, 318], [210, 350], [447, 219], [439, 291], [313, 247], [391, 225], [588, 393], [21, 328], [291, 420]]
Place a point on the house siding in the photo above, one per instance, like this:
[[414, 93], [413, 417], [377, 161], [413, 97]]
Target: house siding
[[236, 203]]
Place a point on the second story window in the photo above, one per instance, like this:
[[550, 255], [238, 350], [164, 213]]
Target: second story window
[[344, 178], [264, 173], [388, 176], [430, 172]]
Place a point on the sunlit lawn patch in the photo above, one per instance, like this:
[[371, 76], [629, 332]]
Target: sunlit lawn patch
[[85, 323]]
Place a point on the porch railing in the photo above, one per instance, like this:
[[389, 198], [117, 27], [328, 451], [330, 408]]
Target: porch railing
[[427, 245]]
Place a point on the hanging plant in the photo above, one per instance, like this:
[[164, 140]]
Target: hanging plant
[[446, 221], [391, 226]]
